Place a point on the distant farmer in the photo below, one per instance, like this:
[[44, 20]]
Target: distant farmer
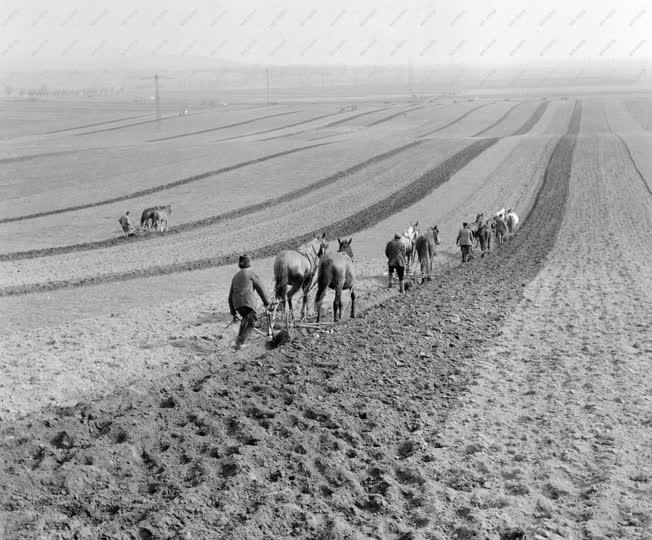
[[242, 299], [126, 225], [501, 228], [464, 240], [396, 259]]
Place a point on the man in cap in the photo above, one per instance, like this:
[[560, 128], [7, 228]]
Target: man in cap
[[242, 299], [396, 259], [465, 241], [126, 225]]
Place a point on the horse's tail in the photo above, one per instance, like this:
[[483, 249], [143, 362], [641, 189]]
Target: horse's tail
[[280, 277], [323, 280]]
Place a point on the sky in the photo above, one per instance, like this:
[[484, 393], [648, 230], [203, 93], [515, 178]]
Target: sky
[[96, 34]]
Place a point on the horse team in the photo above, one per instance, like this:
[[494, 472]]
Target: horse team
[[296, 269], [156, 217]]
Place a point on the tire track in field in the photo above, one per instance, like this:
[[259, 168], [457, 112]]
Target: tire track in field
[[219, 128], [161, 187], [455, 121], [391, 116], [278, 128], [96, 124], [211, 220], [497, 121]]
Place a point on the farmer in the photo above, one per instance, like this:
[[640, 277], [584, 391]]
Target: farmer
[[126, 225], [501, 228], [242, 299], [464, 240], [396, 257]]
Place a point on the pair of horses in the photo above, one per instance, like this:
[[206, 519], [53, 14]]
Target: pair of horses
[[423, 246], [297, 268], [482, 229], [156, 217]]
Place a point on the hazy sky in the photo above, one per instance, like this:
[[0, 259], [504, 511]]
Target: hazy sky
[[92, 33]]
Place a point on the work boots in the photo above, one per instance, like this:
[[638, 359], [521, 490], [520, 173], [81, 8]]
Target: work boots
[[401, 286]]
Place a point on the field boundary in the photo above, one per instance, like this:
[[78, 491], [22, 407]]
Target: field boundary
[[162, 187], [533, 120], [211, 220], [226, 126]]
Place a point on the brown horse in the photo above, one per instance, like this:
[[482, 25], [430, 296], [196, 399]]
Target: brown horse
[[426, 250], [149, 215], [297, 269], [337, 271], [483, 232]]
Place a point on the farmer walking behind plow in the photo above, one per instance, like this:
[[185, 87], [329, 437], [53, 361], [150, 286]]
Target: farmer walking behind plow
[[242, 299]]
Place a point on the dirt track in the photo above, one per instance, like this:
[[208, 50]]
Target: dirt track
[[230, 448]]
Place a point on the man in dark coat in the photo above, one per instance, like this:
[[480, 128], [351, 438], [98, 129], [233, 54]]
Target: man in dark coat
[[242, 299], [396, 260], [126, 225], [465, 241]]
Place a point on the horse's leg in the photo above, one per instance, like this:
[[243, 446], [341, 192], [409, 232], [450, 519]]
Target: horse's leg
[[352, 303], [306, 295], [290, 294], [337, 303]]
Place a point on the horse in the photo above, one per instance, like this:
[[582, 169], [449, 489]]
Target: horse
[[500, 213], [426, 250], [408, 238], [483, 235], [512, 221], [149, 215], [160, 217], [297, 269], [337, 271]]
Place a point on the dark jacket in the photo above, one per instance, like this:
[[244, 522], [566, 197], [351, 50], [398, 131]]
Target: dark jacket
[[464, 237], [395, 253], [501, 226], [243, 285]]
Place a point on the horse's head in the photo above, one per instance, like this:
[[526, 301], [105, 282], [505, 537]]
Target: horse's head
[[412, 231], [478, 218], [345, 247], [168, 208], [319, 245], [435, 233]]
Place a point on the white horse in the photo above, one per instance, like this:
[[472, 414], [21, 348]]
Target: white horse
[[501, 213], [512, 221], [407, 239]]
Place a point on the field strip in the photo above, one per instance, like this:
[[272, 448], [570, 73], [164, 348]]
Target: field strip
[[97, 124], [391, 116], [455, 121], [507, 113], [398, 200], [532, 121], [277, 128], [162, 187], [212, 220], [226, 126]]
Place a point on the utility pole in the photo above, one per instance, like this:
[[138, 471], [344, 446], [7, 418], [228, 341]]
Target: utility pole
[[267, 86], [157, 97]]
